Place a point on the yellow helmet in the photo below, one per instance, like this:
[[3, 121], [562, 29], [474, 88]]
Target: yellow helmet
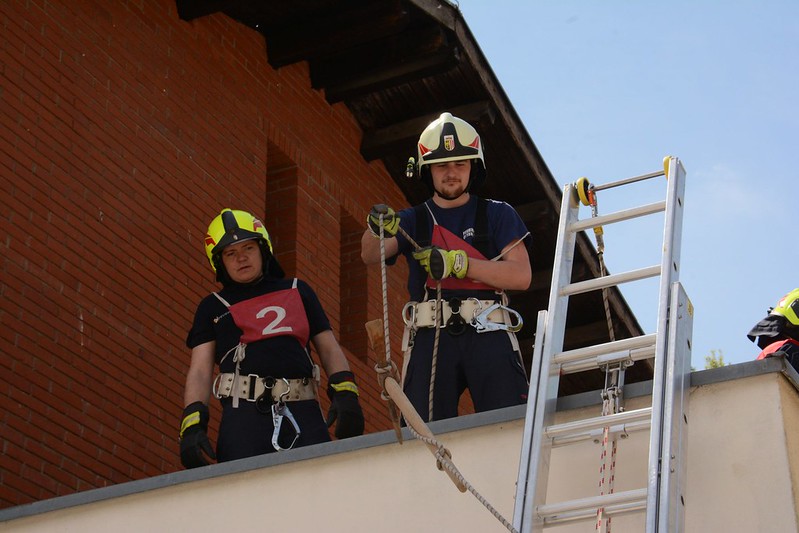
[[788, 306], [450, 138], [782, 321], [232, 226]]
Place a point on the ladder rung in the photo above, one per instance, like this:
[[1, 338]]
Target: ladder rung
[[596, 435], [633, 343], [585, 508], [616, 358], [576, 427], [627, 181], [610, 281], [619, 216]]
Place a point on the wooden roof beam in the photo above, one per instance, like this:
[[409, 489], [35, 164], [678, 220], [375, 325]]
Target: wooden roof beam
[[403, 135], [389, 75], [327, 35]]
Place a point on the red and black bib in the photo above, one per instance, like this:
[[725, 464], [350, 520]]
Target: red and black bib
[[271, 315]]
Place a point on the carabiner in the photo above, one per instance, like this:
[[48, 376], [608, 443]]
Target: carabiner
[[280, 411], [482, 324]]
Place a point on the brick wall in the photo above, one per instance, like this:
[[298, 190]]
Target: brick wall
[[123, 132]]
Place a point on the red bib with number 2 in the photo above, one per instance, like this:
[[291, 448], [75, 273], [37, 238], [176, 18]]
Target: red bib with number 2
[[270, 315]]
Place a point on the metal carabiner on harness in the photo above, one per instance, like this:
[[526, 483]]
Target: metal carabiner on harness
[[280, 411], [482, 324]]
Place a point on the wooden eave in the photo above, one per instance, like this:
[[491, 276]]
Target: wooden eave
[[398, 64]]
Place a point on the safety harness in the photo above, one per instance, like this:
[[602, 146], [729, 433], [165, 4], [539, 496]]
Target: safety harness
[[481, 239], [269, 393], [456, 314]]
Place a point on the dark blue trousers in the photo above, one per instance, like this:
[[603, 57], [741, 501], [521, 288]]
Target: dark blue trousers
[[485, 363]]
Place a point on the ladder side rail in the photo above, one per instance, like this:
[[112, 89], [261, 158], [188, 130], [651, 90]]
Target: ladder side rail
[[669, 273], [521, 512], [554, 333], [671, 516]]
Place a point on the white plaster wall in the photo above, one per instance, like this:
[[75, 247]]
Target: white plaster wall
[[739, 479]]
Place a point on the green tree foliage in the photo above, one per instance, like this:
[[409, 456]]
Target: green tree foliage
[[714, 360]]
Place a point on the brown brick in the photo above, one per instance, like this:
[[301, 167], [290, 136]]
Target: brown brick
[[115, 157]]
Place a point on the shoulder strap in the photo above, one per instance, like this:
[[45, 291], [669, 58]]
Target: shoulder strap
[[221, 300], [482, 240], [423, 230]]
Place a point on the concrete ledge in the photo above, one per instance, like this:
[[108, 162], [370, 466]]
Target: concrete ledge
[[444, 427]]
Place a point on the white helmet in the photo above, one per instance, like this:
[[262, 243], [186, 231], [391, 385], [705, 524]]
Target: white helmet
[[450, 138]]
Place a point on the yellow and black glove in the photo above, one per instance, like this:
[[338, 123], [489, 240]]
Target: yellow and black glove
[[344, 406], [390, 220], [440, 263], [195, 448]]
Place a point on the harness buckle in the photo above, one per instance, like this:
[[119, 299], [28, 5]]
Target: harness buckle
[[264, 402], [252, 379], [409, 314], [456, 325]]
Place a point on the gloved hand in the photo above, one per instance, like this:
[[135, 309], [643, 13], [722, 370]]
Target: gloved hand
[[390, 220], [195, 448], [344, 406], [440, 263]]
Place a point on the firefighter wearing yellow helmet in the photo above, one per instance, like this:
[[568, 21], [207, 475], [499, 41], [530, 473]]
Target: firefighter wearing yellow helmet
[[472, 249], [778, 333], [232, 226], [258, 330]]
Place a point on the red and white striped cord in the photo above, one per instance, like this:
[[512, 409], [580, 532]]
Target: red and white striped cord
[[607, 468]]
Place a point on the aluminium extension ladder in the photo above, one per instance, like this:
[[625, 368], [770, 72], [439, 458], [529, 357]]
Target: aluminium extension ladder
[[662, 498]]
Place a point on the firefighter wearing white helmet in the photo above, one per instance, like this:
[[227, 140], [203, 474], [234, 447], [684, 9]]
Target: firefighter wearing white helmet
[[778, 333], [463, 253], [258, 330], [447, 139]]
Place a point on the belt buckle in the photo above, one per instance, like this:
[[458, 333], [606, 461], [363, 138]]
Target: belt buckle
[[252, 379]]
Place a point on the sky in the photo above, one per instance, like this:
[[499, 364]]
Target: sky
[[606, 89]]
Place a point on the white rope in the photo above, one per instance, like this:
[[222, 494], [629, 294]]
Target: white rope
[[384, 282], [434, 361], [443, 457], [444, 462]]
